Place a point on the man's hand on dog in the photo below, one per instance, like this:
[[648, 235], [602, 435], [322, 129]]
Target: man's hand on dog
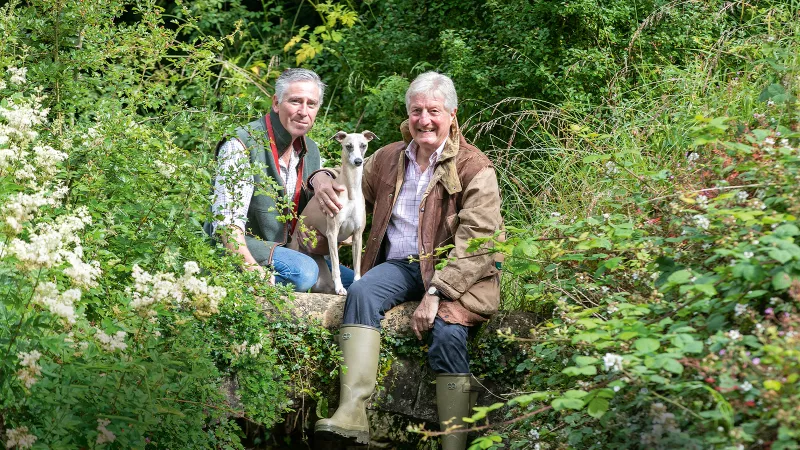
[[327, 191], [425, 314]]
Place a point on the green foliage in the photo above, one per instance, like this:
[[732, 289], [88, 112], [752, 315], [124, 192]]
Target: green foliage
[[671, 268], [121, 323]]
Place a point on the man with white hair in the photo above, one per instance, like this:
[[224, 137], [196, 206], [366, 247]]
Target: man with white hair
[[429, 191], [248, 223]]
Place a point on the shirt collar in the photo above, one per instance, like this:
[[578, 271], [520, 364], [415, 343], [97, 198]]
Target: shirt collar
[[411, 152]]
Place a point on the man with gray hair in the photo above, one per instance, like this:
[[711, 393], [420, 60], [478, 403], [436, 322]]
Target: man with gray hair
[[430, 191], [248, 223]]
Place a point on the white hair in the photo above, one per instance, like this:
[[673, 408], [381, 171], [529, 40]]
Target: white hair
[[290, 76], [430, 83]]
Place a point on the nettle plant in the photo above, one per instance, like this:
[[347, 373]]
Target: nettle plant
[[674, 317]]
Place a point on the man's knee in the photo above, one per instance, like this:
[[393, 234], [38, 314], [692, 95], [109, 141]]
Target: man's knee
[[448, 351], [307, 274], [357, 291]]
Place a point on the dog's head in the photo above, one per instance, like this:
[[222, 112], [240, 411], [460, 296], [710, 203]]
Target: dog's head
[[354, 146]]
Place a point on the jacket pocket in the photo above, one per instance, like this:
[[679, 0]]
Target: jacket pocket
[[484, 296]]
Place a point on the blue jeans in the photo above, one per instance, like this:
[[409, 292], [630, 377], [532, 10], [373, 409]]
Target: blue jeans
[[298, 269], [394, 282]]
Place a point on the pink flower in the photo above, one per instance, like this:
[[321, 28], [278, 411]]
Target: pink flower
[[756, 361]]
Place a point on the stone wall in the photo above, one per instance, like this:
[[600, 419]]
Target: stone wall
[[407, 393]]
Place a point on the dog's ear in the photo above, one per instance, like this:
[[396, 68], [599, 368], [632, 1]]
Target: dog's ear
[[339, 136], [369, 135]]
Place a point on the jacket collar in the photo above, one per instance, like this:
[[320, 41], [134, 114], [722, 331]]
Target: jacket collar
[[446, 171]]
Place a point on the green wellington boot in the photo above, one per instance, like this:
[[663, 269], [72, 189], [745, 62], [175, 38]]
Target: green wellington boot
[[454, 400], [360, 346]]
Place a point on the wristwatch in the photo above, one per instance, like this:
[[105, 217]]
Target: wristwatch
[[433, 290]]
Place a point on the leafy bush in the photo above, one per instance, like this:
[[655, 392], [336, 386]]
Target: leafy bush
[[122, 322], [670, 270]]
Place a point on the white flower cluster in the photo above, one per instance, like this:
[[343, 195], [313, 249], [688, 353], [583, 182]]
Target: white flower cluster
[[18, 75], [692, 157], [739, 309], [112, 343], [612, 362], [59, 303], [663, 424], [19, 208], [254, 349], [701, 221], [742, 196], [103, 435], [30, 367], [611, 168], [19, 438], [151, 289], [746, 386], [48, 244], [734, 335], [21, 117]]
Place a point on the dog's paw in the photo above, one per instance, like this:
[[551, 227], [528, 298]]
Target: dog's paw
[[341, 290]]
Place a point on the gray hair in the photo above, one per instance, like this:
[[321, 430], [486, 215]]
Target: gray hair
[[429, 83], [290, 76]]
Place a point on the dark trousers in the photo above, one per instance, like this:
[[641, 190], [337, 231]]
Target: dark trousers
[[392, 283]]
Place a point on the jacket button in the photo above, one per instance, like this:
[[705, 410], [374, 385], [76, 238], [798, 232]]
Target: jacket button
[[391, 195], [422, 209]]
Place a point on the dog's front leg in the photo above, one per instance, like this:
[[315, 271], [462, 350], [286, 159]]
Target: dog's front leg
[[332, 233], [357, 235]]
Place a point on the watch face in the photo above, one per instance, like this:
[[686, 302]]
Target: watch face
[[433, 291]]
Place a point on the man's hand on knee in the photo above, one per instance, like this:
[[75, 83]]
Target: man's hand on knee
[[425, 314]]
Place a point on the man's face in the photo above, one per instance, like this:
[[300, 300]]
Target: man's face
[[299, 107], [429, 121]]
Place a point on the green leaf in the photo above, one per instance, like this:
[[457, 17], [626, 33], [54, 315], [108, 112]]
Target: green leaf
[[592, 158], [575, 393], [781, 281], [646, 345], [672, 365], [576, 371], [586, 360], [567, 403], [772, 385], [597, 407], [782, 256], [680, 277], [625, 335]]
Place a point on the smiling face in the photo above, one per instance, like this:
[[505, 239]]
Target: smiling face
[[298, 108], [429, 121]]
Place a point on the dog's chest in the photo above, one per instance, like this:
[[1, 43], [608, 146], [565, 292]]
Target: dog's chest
[[351, 218]]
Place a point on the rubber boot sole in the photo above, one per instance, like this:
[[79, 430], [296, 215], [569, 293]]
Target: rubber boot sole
[[334, 433]]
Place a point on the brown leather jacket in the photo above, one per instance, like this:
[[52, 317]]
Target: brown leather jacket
[[461, 202]]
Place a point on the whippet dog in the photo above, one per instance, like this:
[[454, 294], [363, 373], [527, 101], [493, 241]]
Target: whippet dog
[[351, 218]]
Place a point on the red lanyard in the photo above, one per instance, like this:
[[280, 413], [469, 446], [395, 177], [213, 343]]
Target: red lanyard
[[299, 184]]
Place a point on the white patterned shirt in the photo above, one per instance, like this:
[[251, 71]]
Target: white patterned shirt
[[404, 224], [232, 202]]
